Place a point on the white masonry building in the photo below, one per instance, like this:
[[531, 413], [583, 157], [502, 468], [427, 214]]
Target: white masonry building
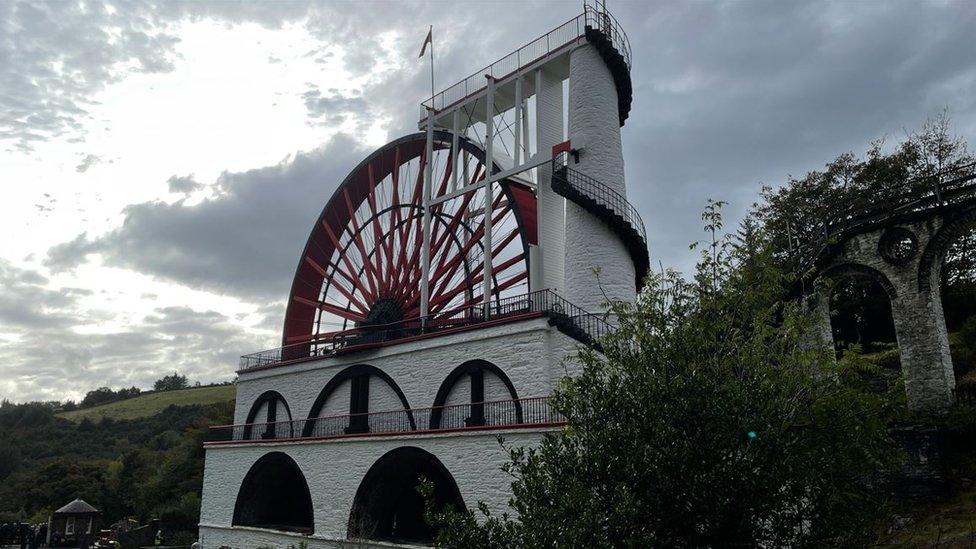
[[434, 304]]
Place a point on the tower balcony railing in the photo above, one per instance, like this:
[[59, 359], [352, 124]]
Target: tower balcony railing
[[607, 205], [588, 328], [593, 16], [522, 413], [600, 192]]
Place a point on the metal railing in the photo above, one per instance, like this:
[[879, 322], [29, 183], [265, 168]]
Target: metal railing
[[537, 49], [598, 192], [591, 328], [917, 194], [875, 205], [523, 412]]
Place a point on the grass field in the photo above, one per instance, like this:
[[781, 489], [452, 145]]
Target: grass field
[[153, 403]]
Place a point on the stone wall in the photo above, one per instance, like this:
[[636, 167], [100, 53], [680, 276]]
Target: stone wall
[[916, 309], [333, 470]]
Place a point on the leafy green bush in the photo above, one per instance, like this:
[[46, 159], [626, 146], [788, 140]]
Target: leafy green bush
[[707, 421]]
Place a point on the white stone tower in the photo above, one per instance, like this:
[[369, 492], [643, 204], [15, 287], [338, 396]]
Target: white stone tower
[[440, 290], [598, 264]]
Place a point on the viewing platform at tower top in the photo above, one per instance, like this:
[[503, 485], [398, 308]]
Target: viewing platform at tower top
[[548, 50]]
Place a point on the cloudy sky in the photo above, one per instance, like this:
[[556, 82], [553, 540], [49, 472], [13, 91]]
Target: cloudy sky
[[162, 163]]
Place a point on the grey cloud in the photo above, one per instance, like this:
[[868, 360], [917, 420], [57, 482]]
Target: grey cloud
[[48, 359], [88, 161], [727, 96], [185, 184], [245, 241], [27, 302], [334, 108], [56, 56]]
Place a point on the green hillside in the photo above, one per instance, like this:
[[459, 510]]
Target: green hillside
[[153, 403]]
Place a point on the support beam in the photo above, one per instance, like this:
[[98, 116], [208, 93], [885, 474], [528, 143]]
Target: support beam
[[425, 253], [534, 162], [455, 121], [489, 188], [519, 113]]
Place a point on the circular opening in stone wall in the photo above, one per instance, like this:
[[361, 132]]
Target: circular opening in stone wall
[[898, 245]]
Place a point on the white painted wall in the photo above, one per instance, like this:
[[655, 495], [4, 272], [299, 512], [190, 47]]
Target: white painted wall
[[333, 470], [590, 245], [530, 353], [550, 206]]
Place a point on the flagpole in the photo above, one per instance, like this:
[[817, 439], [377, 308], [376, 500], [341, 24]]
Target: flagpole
[[425, 201], [432, 66]]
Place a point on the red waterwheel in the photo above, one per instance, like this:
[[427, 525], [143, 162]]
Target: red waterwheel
[[362, 264]]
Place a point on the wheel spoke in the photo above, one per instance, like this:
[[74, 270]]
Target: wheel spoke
[[334, 309], [369, 247], [371, 274]]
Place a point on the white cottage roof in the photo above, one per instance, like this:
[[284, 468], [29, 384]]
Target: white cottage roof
[[77, 506]]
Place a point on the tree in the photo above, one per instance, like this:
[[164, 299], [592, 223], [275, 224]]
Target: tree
[[705, 422], [794, 215], [171, 382]]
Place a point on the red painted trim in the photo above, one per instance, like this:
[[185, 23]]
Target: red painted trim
[[563, 147]]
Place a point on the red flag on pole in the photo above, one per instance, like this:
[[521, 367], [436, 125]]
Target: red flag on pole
[[427, 41]]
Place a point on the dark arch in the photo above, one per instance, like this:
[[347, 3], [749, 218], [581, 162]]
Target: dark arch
[[939, 244], [857, 269], [468, 368], [270, 398], [274, 495], [347, 374], [388, 506], [845, 326]]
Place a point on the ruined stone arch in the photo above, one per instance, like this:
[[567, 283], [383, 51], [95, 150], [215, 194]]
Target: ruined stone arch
[[274, 495], [930, 263], [847, 269]]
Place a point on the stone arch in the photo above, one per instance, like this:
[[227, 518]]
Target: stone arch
[[388, 506], [930, 262], [476, 369], [847, 270], [857, 269], [275, 426], [275, 495], [356, 423]]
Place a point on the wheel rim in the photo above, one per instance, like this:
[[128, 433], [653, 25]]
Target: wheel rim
[[362, 263]]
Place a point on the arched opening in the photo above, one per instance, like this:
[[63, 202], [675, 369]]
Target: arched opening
[[461, 398], [269, 418], [347, 401], [388, 505], [861, 318], [956, 276], [274, 495]]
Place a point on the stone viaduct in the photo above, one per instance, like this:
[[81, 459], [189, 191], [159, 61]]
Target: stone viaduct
[[902, 245]]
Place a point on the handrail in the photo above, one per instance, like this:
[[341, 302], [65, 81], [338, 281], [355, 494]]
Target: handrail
[[600, 192], [543, 302], [513, 413], [878, 204], [534, 50]]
